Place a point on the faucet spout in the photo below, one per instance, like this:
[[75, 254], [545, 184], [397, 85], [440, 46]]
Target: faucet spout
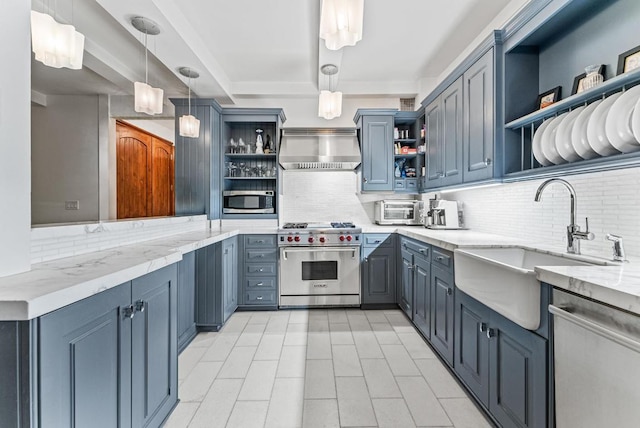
[[572, 195], [573, 230]]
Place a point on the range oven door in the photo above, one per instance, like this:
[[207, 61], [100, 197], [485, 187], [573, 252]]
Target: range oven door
[[308, 271]]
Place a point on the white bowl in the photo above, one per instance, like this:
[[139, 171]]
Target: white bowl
[[596, 129], [563, 137], [579, 139]]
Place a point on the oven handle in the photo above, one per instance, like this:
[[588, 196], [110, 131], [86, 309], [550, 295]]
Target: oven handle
[[320, 249], [594, 327]]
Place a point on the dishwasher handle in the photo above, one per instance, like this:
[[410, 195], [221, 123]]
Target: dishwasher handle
[[594, 327]]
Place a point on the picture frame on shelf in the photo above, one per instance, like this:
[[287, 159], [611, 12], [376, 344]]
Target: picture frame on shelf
[[578, 81], [629, 60], [549, 97]]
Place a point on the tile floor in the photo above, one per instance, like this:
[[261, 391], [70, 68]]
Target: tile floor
[[318, 368]]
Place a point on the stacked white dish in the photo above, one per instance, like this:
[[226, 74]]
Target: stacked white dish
[[603, 128]]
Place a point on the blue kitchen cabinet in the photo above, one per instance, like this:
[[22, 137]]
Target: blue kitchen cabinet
[[186, 300], [422, 294], [443, 121], [111, 359], [154, 352], [414, 295], [216, 269], [378, 269], [258, 273], [503, 364], [376, 140], [197, 180], [479, 125], [442, 309], [405, 283]]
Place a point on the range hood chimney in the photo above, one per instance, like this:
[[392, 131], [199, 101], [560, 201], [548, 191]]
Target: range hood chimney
[[321, 149]]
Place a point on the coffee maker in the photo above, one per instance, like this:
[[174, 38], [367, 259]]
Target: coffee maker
[[444, 214]]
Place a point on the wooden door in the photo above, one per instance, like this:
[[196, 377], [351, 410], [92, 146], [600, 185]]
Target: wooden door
[[145, 174]]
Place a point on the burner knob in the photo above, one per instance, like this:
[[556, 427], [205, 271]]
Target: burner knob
[[310, 239], [322, 239], [349, 238], [289, 238], [297, 238], [341, 237]]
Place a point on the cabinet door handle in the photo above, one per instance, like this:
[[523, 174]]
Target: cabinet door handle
[[364, 179], [128, 312], [483, 327], [411, 267], [490, 333], [366, 259], [487, 161], [139, 306], [449, 291]]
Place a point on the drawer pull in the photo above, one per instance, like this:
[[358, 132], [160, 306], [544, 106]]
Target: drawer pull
[[259, 284], [422, 251], [260, 241], [260, 256], [259, 298], [440, 258], [377, 241], [260, 270]]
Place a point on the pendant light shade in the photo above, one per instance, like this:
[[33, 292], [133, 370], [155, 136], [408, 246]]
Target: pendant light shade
[[189, 125], [54, 44], [330, 104], [147, 99], [341, 23]]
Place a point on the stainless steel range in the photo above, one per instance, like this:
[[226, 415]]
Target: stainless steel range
[[319, 264]]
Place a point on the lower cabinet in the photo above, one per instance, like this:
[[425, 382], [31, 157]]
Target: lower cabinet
[[216, 280], [378, 269], [422, 295], [186, 300], [404, 290], [503, 364], [111, 359], [258, 272], [442, 308]]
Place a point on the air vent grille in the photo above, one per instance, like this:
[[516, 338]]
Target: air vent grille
[[320, 165], [407, 104]]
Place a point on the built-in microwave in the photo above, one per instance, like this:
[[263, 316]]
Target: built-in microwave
[[248, 202]]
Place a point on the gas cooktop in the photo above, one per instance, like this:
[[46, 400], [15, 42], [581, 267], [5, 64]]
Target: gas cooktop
[[332, 225]]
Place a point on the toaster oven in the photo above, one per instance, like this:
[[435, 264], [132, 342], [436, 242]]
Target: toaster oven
[[400, 212]]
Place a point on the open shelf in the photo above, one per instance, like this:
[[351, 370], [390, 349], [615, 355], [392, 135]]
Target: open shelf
[[249, 178], [250, 155]]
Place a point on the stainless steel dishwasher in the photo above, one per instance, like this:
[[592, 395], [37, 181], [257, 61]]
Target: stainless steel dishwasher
[[597, 364]]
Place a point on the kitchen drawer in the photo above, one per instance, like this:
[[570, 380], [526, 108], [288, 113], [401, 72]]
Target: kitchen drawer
[[260, 269], [379, 240], [419, 248], [399, 184], [442, 258], [261, 255], [260, 241], [261, 283], [260, 297], [411, 184]]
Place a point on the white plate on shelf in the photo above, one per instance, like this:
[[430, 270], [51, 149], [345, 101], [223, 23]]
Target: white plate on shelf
[[579, 139], [549, 140], [596, 129], [618, 125], [536, 145], [563, 136], [635, 121]]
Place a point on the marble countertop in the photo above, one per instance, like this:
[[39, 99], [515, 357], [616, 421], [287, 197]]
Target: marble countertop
[[52, 285]]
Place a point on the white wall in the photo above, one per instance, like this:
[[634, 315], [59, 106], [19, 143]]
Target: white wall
[[15, 165], [163, 128], [303, 111], [65, 143], [610, 199]]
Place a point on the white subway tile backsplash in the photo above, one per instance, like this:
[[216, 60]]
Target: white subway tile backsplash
[[610, 199], [55, 242]]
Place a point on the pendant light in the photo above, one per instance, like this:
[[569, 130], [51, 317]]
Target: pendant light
[[56, 45], [147, 99], [341, 23], [189, 125], [329, 103]]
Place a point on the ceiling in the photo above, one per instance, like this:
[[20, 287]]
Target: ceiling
[[258, 48]]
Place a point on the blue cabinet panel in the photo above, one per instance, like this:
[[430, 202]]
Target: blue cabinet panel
[[442, 330], [377, 153], [186, 299]]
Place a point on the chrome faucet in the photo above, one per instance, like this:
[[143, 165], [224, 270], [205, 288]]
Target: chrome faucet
[[573, 230], [618, 249]]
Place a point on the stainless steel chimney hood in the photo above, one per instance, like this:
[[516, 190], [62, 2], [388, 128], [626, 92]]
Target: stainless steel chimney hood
[[322, 149]]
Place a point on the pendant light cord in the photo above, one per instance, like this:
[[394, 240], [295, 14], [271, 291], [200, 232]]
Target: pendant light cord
[[189, 84], [146, 59]]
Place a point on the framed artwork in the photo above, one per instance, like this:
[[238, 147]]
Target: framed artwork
[[549, 97], [578, 81], [629, 60]]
